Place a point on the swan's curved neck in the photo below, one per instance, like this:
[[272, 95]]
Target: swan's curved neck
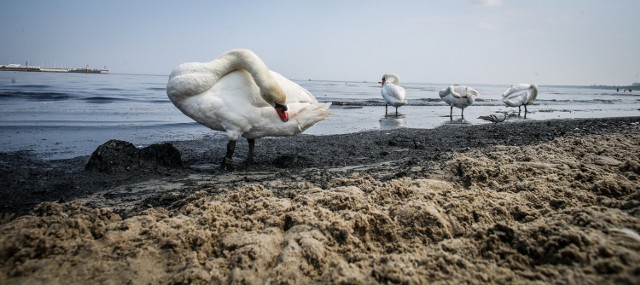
[[452, 89], [392, 78], [245, 60], [534, 94], [535, 89], [199, 77]]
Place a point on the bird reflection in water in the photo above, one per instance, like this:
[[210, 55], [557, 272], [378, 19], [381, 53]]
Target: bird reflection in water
[[459, 121], [392, 122]]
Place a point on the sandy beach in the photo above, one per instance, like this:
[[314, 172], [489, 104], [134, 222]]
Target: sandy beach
[[532, 202]]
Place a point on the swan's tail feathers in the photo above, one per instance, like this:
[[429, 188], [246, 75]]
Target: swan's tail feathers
[[312, 114]]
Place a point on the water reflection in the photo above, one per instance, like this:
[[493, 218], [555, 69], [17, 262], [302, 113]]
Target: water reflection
[[392, 122], [459, 121], [516, 116]]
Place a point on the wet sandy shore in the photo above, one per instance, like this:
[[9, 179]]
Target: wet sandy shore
[[541, 201]]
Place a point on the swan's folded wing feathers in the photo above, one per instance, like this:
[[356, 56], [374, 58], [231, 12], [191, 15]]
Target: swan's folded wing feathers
[[311, 114], [295, 93], [453, 92], [463, 92], [394, 95], [517, 88], [516, 98], [457, 92]]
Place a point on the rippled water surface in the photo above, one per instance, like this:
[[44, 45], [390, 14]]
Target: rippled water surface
[[66, 115]]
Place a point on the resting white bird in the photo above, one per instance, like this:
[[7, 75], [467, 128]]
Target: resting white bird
[[520, 95], [236, 93], [392, 92], [496, 118], [459, 97]]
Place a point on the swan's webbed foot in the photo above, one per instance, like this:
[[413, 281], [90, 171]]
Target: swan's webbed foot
[[227, 164]]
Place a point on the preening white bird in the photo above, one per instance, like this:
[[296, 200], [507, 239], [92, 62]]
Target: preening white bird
[[392, 93], [520, 95], [237, 94], [459, 97]]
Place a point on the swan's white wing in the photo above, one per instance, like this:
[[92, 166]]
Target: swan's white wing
[[459, 96], [515, 99], [234, 105], [517, 88], [394, 95], [458, 92], [519, 94], [295, 93], [303, 106], [466, 91]]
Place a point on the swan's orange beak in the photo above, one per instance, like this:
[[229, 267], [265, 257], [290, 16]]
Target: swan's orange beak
[[282, 112]]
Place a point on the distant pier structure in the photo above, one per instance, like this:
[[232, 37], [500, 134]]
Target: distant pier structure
[[27, 68]]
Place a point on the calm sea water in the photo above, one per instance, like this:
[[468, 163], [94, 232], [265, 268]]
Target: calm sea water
[[67, 115]]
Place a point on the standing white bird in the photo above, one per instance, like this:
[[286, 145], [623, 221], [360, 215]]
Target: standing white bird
[[459, 97], [236, 93], [520, 95], [392, 92]]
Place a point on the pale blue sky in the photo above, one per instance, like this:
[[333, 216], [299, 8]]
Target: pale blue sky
[[458, 41]]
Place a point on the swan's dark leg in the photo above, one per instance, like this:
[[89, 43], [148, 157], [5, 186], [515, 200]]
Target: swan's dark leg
[[227, 161], [396, 111], [519, 111], [525, 111], [451, 114], [462, 113], [385, 109], [252, 144]]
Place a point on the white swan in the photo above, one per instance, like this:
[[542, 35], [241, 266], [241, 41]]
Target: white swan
[[520, 95], [236, 93], [392, 92], [459, 97]]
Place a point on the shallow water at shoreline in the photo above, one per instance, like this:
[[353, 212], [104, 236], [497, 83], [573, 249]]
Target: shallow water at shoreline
[[66, 115]]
